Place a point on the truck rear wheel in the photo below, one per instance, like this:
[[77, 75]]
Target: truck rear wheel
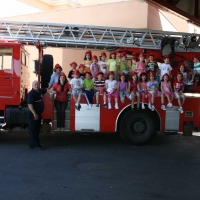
[[47, 70], [137, 128]]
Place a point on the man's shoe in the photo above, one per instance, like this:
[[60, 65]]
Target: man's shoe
[[40, 148]]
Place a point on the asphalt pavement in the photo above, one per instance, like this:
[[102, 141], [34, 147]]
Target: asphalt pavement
[[99, 167]]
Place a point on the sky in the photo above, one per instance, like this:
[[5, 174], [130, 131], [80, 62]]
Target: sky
[[10, 8]]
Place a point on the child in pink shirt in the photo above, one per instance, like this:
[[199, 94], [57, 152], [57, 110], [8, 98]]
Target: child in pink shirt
[[166, 91], [140, 65], [94, 67]]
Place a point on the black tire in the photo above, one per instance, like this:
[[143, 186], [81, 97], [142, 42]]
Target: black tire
[[46, 70], [137, 128]]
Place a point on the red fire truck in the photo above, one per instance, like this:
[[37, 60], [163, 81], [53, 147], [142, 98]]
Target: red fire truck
[[134, 127]]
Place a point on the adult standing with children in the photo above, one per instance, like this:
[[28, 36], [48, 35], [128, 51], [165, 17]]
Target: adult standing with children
[[36, 107], [61, 87]]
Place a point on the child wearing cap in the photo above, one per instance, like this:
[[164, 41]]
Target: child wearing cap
[[185, 74], [77, 85], [81, 70], [143, 89], [152, 87], [152, 66], [71, 72], [61, 87], [87, 60], [113, 64], [178, 91], [165, 67], [99, 86], [140, 65], [88, 89], [196, 70], [123, 64], [134, 61], [94, 67], [123, 87], [133, 89], [112, 89], [166, 91], [102, 63]]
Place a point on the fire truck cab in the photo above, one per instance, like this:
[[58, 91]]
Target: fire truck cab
[[136, 127]]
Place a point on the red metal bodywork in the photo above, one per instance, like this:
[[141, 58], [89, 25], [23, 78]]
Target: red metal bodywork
[[12, 84]]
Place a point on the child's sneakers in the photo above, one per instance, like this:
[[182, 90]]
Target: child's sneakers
[[109, 106], [149, 106], [169, 105], [122, 99], [152, 108], [143, 107], [89, 106], [116, 106], [181, 110], [104, 105], [163, 107], [190, 82], [77, 107]]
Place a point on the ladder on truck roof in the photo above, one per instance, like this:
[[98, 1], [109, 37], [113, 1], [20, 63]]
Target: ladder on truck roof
[[95, 37]]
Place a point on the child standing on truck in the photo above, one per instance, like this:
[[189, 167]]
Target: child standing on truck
[[123, 87], [88, 89], [178, 91], [134, 61], [94, 67], [166, 91], [71, 72], [113, 64], [123, 64], [143, 89], [185, 75], [165, 67], [152, 66], [112, 89], [87, 60], [81, 70], [152, 87], [99, 86], [133, 90], [76, 85], [140, 65], [103, 64], [196, 69]]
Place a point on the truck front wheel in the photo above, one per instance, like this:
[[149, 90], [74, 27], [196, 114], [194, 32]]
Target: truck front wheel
[[137, 128]]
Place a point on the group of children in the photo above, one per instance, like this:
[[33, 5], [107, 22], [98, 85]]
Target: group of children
[[115, 78]]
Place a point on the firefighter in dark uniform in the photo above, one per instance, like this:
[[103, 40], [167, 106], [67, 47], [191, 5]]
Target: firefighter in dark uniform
[[36, 107]]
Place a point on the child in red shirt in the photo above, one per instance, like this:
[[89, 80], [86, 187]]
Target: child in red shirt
[[133, 89]]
